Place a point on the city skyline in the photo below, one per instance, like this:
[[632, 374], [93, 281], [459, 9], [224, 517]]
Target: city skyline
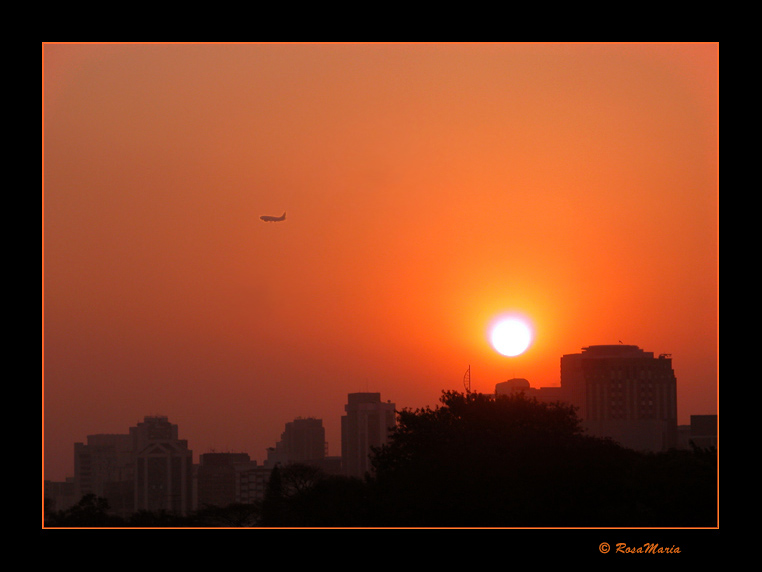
[[135, 477], [303, 438], [337, 451], [429, 188]]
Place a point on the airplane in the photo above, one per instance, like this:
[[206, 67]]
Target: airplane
[[267, 218]]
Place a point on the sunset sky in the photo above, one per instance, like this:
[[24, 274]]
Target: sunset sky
[[428, 189]]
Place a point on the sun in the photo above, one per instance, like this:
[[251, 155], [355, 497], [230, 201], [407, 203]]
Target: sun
[[511, 336]]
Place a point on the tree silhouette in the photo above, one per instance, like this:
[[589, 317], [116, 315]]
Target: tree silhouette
[[479, 460], [235, 515], [156, 519], [273, 505], [303, 495], [332, 501], [473, 461], [90, 511], [296, 478]]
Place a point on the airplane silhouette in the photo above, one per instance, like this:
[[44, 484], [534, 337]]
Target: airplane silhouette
[[267, 218]]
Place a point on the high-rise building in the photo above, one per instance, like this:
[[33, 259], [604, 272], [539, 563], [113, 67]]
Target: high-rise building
[[60, 495], [624, 393], [302, 441], [216, 478], [104, 467], [251, 482], [163, 467], [367, 424], [703, 431]]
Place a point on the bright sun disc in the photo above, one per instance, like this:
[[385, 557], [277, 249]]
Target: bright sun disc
[[511, 336]]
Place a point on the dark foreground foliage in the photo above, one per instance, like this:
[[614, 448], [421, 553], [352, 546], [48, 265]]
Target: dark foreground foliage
[[479, 460], [473, 461]]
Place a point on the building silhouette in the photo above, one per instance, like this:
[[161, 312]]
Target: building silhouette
[[544, 394], [148, 468], [104, 466], [620, 392], [163, 467], [367, 424], [302, 441], [251, 482], [217, 478], [60, 495], [624, 393], [703, 433]]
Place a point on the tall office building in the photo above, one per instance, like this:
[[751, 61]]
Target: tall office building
[[163, 467], [251, 482], [216, 478], [104, 467], [367, 424], [60, 495], [302, 441], [624, 393]]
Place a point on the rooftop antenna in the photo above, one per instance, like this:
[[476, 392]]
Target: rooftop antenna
[[467, 379]]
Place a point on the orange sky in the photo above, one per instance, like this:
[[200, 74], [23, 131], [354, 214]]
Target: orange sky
[[428, 187]]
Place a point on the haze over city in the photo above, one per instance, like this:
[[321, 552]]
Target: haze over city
[[429, 188]]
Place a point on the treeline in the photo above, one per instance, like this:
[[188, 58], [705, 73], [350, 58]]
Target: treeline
[[472, 461]]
